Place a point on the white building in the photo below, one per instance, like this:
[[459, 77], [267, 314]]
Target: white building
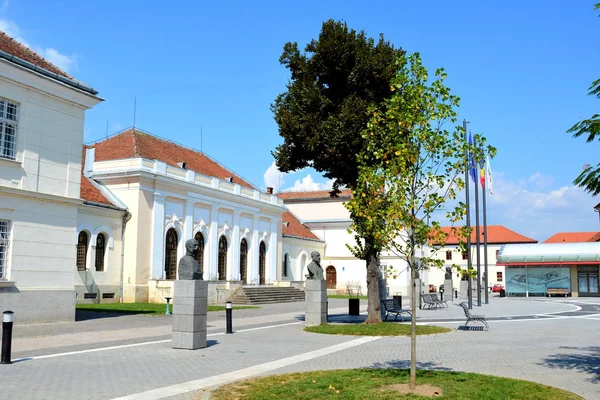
[[42, 111]]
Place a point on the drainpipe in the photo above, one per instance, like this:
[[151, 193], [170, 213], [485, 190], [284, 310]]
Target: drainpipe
[[126, 217]]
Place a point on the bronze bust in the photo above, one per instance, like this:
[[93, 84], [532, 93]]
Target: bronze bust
[[189, 267], [315, 271]]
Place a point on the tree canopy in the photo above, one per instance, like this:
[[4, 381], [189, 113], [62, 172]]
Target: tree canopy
[[333, 83], [589, 179]]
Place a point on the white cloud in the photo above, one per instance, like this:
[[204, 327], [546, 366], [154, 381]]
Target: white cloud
[[274, 178], [65, 62], [307, 184]]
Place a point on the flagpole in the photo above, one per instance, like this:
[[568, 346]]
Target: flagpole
[[468, 221], [477, 232], [485, 249]]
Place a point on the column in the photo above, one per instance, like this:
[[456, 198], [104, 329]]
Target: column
[[189, 221], [253, 267], [213, 244], [273, 251], [158, 236], [233, 274]]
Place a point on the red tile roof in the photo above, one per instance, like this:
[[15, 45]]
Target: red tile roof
[[14, 48], [573, 237], [293, 227], [314, 195], [497, 234], [87, 191], [134, 143]]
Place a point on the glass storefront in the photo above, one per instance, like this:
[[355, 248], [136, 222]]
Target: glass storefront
[[587, 278], [535, 280]]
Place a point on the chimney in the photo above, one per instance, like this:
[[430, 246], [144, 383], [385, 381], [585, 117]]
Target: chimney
[[181, 164], [229, 178], [269, 190]]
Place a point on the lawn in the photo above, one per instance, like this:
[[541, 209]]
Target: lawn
[[142, 308], [369, 383], [383, 329], [344, 296]]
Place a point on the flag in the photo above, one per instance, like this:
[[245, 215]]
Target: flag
[[490, 180], [482, 172], [472, 170]]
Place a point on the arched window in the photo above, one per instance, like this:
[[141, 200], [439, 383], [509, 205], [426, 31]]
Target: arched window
[[222, 258], [262, 260], [286, 265], [171, 254], [243, 260], [200, 255], [82, 245], [100, 251], [331, 275]]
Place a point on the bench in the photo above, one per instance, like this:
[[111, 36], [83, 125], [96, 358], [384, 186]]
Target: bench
[[551, 291], [473, 317], [428, 302], [353, 289], [391, 306], [435, 299]]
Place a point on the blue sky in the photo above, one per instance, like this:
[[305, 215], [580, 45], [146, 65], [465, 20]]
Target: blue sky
[[521, 68]]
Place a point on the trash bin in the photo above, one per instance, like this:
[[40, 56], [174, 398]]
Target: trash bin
[[398, 298], [354, 306], [502, 293]]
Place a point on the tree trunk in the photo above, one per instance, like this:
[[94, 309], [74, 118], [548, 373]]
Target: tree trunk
[[374, 307], [413, 328]]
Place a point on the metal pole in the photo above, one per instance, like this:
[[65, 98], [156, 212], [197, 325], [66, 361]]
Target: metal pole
[[468, 221], [7, 325], [168, 311], [485, 249], [228, 317], [477, 232]]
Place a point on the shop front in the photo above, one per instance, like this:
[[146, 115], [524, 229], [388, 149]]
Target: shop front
[[551, 268]]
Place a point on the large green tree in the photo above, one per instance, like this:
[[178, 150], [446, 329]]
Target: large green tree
[[321, 115], [412, 167], [589, 179]]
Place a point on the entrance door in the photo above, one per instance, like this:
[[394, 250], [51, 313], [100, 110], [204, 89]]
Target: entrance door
[[587, 278], [331, 277], [262, 261]]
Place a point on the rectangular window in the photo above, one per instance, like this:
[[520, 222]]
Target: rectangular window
[[8, 129], [448, 255], [464, 255], [4, 239], [499, 276]]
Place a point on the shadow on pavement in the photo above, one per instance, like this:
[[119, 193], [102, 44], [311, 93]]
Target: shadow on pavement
[[84, 315], [405, 364], [582, 359], [471, 328]]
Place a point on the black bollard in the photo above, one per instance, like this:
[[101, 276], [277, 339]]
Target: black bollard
[[456, 293], [7, 325], [228, 316], [168, 299]]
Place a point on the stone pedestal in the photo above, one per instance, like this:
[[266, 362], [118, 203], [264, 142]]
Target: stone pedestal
[[448, 290], [316, 302], [189, 314]]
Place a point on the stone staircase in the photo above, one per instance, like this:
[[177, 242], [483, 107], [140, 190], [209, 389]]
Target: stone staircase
[[266, 295]]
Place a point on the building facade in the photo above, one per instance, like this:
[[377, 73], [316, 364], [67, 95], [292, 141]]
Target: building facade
[[42, 111]]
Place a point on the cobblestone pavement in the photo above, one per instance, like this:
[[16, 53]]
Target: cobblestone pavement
[[559, 349]]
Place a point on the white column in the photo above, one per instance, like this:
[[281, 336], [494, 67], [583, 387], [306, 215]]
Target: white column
[[233, 274], [253, 267], [213, 244], [189, 221], [158, 236], [273, 251]]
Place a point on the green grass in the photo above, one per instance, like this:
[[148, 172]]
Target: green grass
[[344, 296], [383, 329], [142, 308], [367, 383]]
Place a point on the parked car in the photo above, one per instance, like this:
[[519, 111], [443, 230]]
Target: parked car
[[432, 288], [497, 287]]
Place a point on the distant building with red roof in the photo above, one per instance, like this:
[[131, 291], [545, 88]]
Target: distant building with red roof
[[573, 237]]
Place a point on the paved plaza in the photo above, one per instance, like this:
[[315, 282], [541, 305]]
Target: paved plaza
[[102, 356]]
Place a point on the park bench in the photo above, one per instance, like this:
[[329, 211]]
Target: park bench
[[428, 302], [391, 306], [473, 317], [551, 291], [435, 299], [353, 289]]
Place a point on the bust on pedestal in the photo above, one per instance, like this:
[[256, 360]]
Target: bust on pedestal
[[189, 302], [315, 292], [448, 286]]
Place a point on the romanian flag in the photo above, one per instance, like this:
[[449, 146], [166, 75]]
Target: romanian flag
[[482, 173]]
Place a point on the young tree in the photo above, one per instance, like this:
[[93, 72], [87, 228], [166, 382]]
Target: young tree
[[589, 179], [418, 169], [320, 116]]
